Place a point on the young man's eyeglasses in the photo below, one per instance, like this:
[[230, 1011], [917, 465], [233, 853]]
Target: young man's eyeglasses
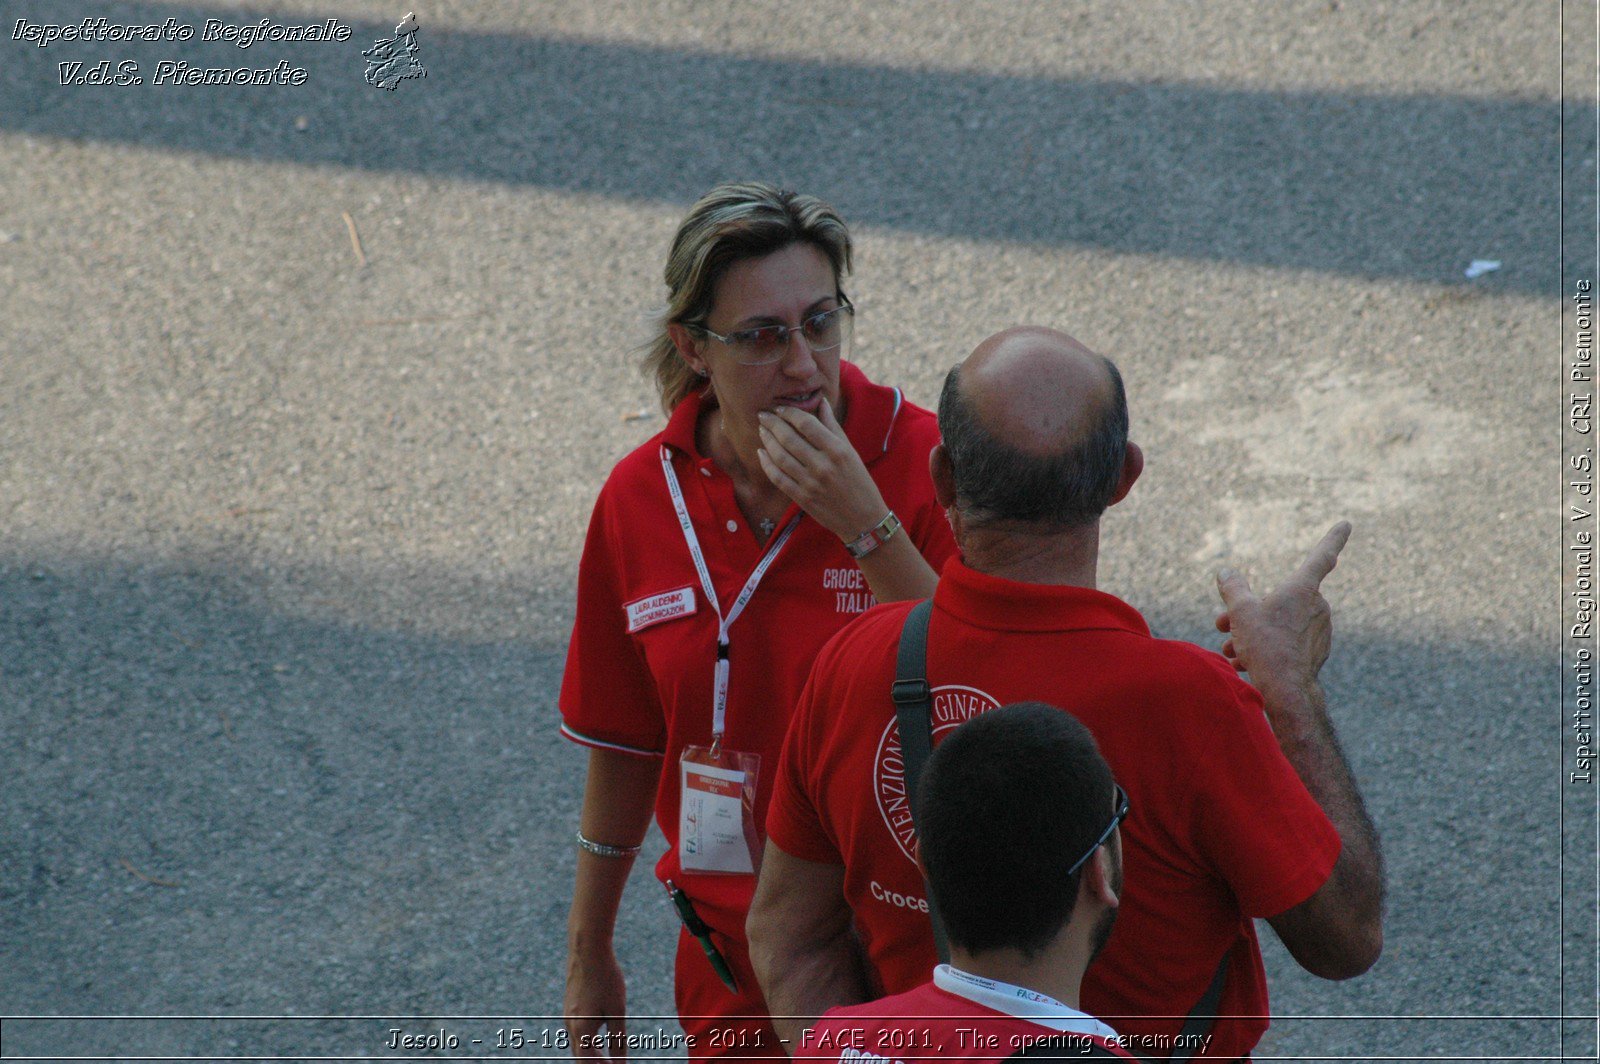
[[823, 331], [1117, 817]]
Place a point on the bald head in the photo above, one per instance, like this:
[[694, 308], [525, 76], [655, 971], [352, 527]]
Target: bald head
[[1035, 427], [1037, 390]]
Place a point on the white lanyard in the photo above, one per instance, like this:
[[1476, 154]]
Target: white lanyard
[[719, 704], [1008, 990], [1019, 1001]]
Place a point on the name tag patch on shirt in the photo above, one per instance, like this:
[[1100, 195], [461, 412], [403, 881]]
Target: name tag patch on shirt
[[642, 613]]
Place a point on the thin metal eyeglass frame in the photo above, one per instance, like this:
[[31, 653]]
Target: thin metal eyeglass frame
[[1117, 817], [785, 334]]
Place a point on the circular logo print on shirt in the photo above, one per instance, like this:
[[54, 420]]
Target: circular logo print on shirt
[[952, 704]]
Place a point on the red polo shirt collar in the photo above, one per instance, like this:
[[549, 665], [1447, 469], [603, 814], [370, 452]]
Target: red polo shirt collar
[[997, 604], [871, 413]]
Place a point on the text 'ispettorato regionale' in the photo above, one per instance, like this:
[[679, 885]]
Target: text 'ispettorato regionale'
[[177, 72]]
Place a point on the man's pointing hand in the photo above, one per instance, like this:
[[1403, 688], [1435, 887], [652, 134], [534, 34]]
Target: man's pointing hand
[[1284, 637]]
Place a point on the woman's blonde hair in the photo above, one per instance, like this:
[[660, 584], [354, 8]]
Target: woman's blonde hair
[[731, 223]]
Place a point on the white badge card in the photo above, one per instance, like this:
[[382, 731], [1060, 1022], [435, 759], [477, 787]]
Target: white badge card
[[716, 812]]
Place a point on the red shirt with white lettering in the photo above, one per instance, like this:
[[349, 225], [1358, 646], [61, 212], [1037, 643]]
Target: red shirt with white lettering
[[639, 667], [1221, 828]]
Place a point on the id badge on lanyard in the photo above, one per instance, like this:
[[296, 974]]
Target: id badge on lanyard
[[717, 830]]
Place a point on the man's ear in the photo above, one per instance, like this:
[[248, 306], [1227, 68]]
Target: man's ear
[[684, 341], [944, 476], [1132, 466], [1099, 877]]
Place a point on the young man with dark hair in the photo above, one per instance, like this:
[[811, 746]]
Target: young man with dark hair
[[1017, 821]]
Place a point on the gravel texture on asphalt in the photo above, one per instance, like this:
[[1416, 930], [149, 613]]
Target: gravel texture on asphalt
[[288, 531]]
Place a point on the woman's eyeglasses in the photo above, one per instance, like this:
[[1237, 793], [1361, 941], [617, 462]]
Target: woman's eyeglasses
[[823, 331]]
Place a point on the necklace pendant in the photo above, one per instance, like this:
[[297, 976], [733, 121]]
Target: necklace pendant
[[766, 528]]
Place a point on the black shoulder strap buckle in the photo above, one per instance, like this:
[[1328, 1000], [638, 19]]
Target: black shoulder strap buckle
[[910, 693]]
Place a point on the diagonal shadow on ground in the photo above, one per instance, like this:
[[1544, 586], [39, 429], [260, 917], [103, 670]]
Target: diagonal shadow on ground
[[1409, 187], [211, 806]]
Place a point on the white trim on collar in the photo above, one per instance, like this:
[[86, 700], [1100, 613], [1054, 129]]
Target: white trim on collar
[[894, 414], [1018, 1001]]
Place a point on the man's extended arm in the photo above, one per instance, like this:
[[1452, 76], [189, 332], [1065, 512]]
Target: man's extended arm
[[1282, 641], [801, 944]]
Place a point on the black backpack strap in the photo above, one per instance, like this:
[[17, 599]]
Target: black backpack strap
[[1202, 1017], [913, 705], [1191, 1036], [913, 699]]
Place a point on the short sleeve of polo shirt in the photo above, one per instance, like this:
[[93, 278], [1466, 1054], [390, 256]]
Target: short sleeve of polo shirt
[[608, 697], [1253, 821]]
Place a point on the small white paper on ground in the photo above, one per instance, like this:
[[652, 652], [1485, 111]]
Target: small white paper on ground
[[1480, 267]]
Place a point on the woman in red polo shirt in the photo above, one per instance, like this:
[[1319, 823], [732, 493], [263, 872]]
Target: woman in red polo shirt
[[786, 495]]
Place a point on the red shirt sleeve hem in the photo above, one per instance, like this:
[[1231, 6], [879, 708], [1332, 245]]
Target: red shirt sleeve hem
[[602, 744], [805, 851], [1303, 886]]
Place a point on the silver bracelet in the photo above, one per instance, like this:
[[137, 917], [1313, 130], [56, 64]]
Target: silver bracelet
[[600, 849]]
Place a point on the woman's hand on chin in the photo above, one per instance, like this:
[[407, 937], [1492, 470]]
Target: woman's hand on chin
[[811, 460]]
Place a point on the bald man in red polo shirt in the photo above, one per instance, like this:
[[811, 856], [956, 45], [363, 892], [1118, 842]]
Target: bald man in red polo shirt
[[1243, 805]]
